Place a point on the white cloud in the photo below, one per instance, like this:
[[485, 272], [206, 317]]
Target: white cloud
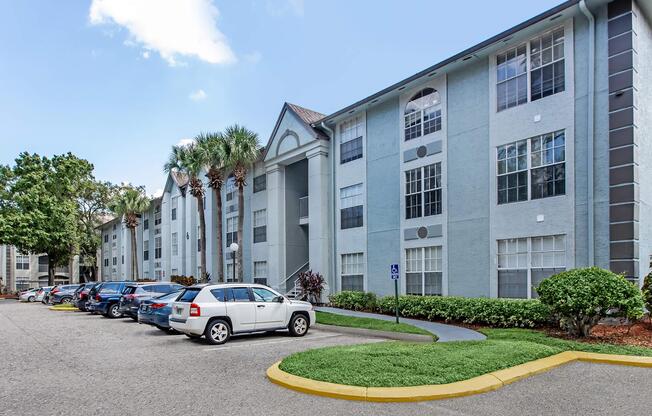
[[145, 54], [173, 28], [198, 95], [185, 142], [157, 193], [253, 57]]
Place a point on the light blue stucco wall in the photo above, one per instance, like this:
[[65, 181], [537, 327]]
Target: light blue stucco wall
[[468, 190], [383, 195]]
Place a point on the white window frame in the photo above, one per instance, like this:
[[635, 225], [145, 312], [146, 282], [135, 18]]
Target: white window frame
[[417, 183], [530, 67], [175, 244], [424, 260], [418, 117], [352, 264]]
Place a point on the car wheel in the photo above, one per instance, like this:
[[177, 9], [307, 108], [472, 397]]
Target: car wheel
[[298, 325], [66, 301], [114, 311], [217, 332], [31, 299]]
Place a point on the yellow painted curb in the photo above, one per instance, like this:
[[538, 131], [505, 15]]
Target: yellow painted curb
[[481, 384], [54, 308]]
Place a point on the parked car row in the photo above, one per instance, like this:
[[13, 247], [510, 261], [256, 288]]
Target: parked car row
[[213, 311]]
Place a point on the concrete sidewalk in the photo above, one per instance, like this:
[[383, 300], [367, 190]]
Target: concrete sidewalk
[[445, 333]]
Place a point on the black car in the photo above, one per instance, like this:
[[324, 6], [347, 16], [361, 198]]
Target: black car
[[62, 294], [80, 296], [134, 293]]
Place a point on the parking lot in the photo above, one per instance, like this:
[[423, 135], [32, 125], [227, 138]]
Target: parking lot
[[56, 363]]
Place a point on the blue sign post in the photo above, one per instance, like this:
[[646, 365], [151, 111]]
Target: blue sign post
[[395, 274]]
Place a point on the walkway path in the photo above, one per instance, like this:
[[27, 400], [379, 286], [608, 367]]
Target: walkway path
[[446, 333]]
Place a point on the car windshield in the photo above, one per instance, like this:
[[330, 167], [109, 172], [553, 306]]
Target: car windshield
[[189, 295], [169, 296], [110, 288]]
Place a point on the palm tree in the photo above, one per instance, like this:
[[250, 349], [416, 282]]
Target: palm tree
[[189, 160], [244, 149], [215, 151], [129, 202]]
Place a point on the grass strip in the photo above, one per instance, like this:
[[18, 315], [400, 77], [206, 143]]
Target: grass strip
[[395, 364], [327, 318]]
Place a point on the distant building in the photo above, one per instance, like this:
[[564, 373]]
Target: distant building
[[22, 271]]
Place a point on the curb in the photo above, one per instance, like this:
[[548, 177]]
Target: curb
[[52, 308], [374, 333], [481, 384]]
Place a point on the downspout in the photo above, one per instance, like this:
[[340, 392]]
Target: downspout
[[590, 129], [331, 135]]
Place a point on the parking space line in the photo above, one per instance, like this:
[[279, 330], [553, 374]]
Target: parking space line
[[227, 347]]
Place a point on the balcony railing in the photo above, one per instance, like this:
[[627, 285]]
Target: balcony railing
[[303, 208]]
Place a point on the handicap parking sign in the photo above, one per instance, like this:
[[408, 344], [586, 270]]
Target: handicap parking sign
[[393, 271]]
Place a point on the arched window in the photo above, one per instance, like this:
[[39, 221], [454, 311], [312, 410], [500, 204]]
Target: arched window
[[422, 114]]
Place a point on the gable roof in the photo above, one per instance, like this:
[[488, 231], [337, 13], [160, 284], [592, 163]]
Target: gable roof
[[306, 116]]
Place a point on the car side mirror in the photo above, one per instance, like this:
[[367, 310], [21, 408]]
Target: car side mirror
[[279, 299]]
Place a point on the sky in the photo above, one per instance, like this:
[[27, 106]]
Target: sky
[[118, 82]]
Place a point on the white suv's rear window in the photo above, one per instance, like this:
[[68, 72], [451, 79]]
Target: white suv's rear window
[[188, 295]]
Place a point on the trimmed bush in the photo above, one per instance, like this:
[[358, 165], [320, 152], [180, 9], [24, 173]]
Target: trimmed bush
[[647, 293], [505, 313], [581, 297], [357, 301]]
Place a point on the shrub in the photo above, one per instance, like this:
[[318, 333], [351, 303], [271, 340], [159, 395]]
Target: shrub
[[311, 285], [647, 293], [356, 301], [481, 311], [581, 297], [183, 280]]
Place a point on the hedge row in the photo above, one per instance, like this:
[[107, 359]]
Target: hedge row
[[483, 311]]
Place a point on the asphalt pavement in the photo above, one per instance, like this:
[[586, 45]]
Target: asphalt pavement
[[64, 363]]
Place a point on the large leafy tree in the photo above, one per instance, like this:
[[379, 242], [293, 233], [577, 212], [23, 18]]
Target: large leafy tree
[[128, 203], [216, 151], [39, 212], [244, 149], [189, 160]]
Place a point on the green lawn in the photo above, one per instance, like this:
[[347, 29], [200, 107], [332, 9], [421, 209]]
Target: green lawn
[[327, 318], [392, 364]]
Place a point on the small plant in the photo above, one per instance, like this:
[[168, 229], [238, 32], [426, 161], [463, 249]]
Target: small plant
[[581, 297], [311, 285], [647, 294], [183, 280]]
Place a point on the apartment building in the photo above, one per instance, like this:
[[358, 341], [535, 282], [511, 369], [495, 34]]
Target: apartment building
[[20, 271], [481, 175]]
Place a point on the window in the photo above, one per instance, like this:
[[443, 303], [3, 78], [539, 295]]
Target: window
[[175, 244], [423, 271], [198, 238], [512, 77], [122, 260], [22, 261], [106, 262], [237, 294], [115, 236], [547, 64], [175, 205], [546, 164], [146, 254], [260, 272], [524, 262], [260, 183], [157, 215], [230, 188], [106, 238], [218, 294], [353, 272], [512, 172], [260, 226], [351, 214], [263, 295], [157, 248], [422, 114], [544, 57], [115, 260], [423, 191], [351, 133], [231, 230], [146, 224]]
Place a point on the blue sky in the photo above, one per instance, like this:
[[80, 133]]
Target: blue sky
[[119, 82]]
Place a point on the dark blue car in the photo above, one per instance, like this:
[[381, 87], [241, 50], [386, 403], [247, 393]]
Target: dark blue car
[[107, 299], [155, 311]]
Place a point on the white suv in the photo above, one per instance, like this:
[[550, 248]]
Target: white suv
[[218, 311]]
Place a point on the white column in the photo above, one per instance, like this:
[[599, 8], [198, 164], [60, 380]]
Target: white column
[[276, 226], [318, 207]]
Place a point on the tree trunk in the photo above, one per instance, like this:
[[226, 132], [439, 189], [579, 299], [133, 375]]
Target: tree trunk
[[202, 239], [134, 255], [50, 271], [240, 236], [220, 242]]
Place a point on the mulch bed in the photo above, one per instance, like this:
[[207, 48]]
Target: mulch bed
[[638, 334]]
